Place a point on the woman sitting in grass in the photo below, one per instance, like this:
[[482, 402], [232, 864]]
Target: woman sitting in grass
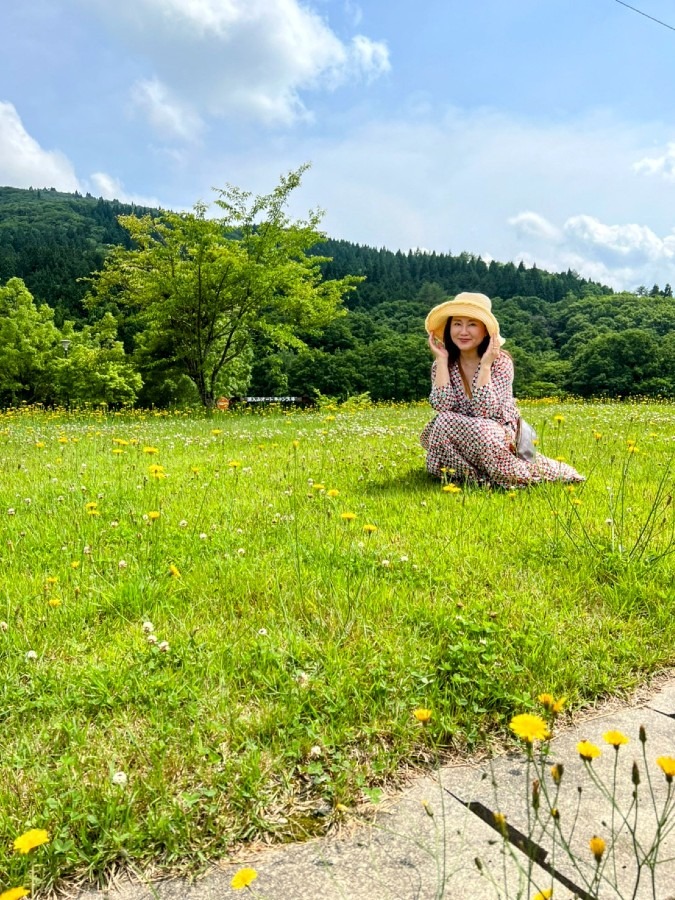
[[473, 436]]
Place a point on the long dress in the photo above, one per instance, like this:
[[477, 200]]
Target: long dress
[[473, 438]]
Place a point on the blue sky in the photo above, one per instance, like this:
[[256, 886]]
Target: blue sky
[[540, 130]]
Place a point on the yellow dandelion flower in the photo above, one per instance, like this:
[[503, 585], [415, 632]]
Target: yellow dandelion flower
[[588, 751], [296, 444], [155, 469], [422, 715], [558, 706], [575, 501], [597, 846], [91, 505], [216, 431], [333, 493], [54, 602], [546, 700], [529, 727], [150, 450], [318, 487], [63, 440], [75, 564], [39, 444], [51, 580], [597, 435], [234, 464], [615, 738], [370, 529], [14, 893], [153, 514], [348, 516], [560, 459], [546, 894], [633, 449], [451, 489], [195, 470], [174, 571], [117, 451], [559, 419], [120, 442], [667, 766], [93, 512], [243, 878], [30, 840]]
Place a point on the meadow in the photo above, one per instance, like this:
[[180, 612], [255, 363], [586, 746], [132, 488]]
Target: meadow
[[216, 628]]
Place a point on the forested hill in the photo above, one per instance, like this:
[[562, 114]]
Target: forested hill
[[399, 276], [566, 334], [50, 240]]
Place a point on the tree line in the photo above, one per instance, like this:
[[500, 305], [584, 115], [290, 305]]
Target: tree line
[[106, 303]]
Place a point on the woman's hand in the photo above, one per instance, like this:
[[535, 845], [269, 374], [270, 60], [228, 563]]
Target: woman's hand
[[438, 348], [492, 352]]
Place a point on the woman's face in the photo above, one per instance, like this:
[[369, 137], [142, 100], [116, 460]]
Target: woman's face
[[466, 333]]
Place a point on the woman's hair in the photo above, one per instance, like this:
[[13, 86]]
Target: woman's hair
[[453, 349]]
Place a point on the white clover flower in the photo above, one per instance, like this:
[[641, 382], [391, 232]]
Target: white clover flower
[[148, 627], [122, 564], [3, 626], [11, 512], [386, 563], [404, 559], [316, 752], [151, 639], [302, 679], [241, 551], [261, 631], [114, 523], [31, 655], [183, 523], [27, 501], [163, 646], [86, 550], [120, 779], [203, 536]]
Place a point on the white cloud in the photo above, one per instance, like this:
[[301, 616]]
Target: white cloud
[[167, 115], [110, 188], [247, 58], [625, 242], [24, 163], [659, 165], [531, 224]]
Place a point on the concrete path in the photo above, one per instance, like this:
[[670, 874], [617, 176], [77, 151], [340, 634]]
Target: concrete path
[[423, 844]]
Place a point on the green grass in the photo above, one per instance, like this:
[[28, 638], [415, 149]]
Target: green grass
[[298, 643]]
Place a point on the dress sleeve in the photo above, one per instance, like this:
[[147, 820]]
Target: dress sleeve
[[495, 400], [442, 399]]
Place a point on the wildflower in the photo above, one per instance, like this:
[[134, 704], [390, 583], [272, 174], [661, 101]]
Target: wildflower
[[615, 738], [151, 639], [451, 489], [120, 442], [174, 571], [316, 752], [319, 487], [296, 444], [546, 894], [30, 840], [558, 706], [153, 515], [148, 627], [14, 893], [195, 470], [183, 523], [150, 450], [386, 563], [588, 751], [500, 822], [216, 431], [11, 512], [333, 493], [203, 536], [234, 464], [546, 700], [157, 471], [667, 766], [633, 449], [75, 564], [560, 459], [422, 715], [51, 580], [348, 516], [31, 656], [575, 501], [54, 602], [163, 646], [39, 444], [558, 419], [241, 551], [122, 564], [529, 727], [4, 626], [243, 878], [120, 779], [597, 435], [597, 846], [262, 632], [369, 529]]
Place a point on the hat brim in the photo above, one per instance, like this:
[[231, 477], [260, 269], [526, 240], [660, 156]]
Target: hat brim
[[439, 315]]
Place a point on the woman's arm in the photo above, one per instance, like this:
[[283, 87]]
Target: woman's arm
[[493, 397]]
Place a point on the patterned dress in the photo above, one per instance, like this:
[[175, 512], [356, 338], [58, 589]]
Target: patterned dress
[[473, 438]]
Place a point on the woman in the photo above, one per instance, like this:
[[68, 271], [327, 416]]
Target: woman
[[473, 435]]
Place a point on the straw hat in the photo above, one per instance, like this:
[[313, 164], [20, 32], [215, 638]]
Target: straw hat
[[472, 306]]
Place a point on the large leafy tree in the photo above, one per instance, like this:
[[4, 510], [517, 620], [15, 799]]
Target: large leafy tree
[[203, 292]]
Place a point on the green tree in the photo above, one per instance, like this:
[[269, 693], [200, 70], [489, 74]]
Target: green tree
[[29, 345], [202, 290], [619, 364]]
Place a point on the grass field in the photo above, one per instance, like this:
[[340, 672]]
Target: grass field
[[217, 628]]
